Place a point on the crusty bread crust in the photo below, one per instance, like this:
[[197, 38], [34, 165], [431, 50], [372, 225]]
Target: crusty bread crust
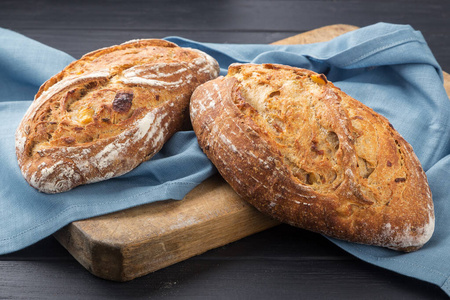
[[107, 112], [301, 150]]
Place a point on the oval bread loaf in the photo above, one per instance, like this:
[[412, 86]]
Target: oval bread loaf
[[304, 152], [107, 112]]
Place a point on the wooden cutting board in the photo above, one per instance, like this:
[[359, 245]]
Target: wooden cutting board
[[134, 242]]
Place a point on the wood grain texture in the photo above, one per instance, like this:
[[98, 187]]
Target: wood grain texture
[[282, 262], [81, 26], [134, 242], [318, 35], [131, 243], [210, 278]]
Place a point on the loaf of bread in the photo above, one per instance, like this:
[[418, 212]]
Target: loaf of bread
[[302, 151], [107, 112]]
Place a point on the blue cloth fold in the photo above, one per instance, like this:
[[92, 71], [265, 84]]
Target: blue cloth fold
[[386, 66]]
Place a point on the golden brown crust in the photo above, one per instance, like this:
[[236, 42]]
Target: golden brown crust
[[107, 112], [299, 149]]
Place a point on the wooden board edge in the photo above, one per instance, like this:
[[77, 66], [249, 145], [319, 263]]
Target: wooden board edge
[[318, 35], [119, 259], [447, 83], [179, 246]]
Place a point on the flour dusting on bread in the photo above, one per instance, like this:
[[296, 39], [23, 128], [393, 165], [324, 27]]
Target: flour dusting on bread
[[108, 112], [304, 152]]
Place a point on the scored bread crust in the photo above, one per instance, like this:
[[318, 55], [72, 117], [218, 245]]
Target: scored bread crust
[[107, 112], [302, 151]]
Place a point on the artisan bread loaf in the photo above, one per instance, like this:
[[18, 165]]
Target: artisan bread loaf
[[108, 112], [302, 151]]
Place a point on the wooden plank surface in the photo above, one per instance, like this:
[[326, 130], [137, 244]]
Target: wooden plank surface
[[281, 262], [134, 242], [81, 26]]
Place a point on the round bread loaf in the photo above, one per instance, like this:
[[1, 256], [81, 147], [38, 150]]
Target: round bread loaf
[[107, 112], [304, 152]]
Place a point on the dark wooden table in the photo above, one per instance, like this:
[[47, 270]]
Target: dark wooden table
[[280, 263]]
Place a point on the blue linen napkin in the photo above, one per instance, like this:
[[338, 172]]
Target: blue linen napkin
[[388, 67]]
